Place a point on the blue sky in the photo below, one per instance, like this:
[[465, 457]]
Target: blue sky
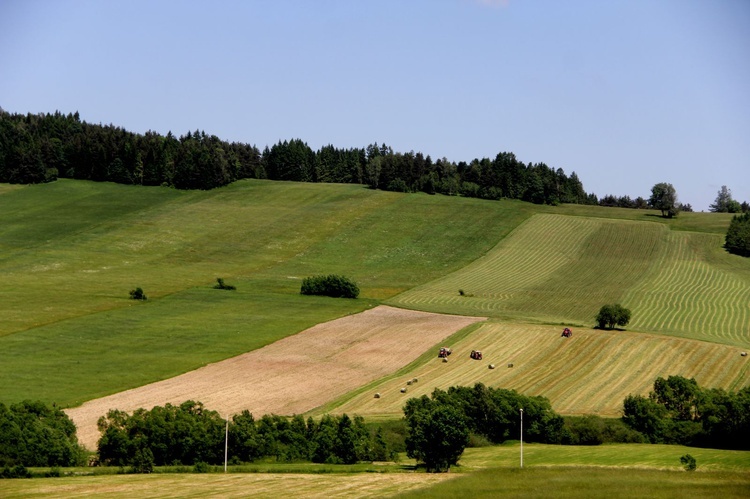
[[624, 93]]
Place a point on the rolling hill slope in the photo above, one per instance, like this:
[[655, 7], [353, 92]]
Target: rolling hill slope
[[590, 373], [71, 251], [556, 268]]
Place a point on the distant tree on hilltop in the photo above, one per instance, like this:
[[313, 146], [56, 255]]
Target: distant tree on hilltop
[[724, 202], [664, 198]]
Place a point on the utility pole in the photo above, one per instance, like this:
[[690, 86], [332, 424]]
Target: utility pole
[[521, 438], [226, 445]]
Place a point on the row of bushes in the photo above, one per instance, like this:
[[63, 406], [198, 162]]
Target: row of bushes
[[679, 411], [189, 433]]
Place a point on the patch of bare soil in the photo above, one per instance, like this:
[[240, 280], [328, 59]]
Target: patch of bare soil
[[293, 375]]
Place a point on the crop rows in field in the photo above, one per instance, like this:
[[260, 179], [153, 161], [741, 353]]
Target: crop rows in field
[[551, 268], [590, 373], [557, 268], [686, 295]]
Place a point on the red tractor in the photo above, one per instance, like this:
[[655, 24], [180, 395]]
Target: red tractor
[[567, 332], [444, 352], [476, 355]]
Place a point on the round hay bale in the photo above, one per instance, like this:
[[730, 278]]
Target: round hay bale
[[744, 354], [408, 382], [403, 390], [510, 365], [415, 380], [445, 360], [377, 395], [492, 366]]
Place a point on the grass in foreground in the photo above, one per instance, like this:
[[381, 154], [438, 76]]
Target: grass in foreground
[[589, 482], [550, 471]]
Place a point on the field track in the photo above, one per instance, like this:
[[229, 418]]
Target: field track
[[293, 375], [590, 373]]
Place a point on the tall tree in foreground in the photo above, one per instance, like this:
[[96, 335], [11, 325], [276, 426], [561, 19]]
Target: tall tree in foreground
[[438, 435], [664, 198]]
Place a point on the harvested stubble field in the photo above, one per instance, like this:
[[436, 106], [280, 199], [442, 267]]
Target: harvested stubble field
[[262, 485], [292, 375], [590, 373]]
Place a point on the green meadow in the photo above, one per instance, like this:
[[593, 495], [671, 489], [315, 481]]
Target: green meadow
[[549, 471], [561, 269], [71, 251]]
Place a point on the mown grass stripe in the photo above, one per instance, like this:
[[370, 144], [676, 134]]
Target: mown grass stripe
[[592, 372]]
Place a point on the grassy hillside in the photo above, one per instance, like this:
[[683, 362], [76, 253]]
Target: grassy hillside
[[590, 373], [556, 268], [72, 250]]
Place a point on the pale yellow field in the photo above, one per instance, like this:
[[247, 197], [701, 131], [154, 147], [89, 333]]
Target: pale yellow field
[[293, 375], [260, 485], [590, 373]]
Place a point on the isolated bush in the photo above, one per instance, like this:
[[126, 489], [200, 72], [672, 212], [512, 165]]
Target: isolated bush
[[332, 285], [688, 462], [611, 315], [221, 285], [137, 294]]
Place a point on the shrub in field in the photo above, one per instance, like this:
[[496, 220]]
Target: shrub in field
[[332, 285], [221, 285], [688, 462], [613, 315], [137, 294]]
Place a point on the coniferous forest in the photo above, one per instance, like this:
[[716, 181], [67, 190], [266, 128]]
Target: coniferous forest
[[36, 148]]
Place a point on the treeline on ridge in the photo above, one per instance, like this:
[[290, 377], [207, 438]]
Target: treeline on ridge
[[40, 148]]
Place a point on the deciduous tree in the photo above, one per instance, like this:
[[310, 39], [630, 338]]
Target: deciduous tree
[[611, 315]]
